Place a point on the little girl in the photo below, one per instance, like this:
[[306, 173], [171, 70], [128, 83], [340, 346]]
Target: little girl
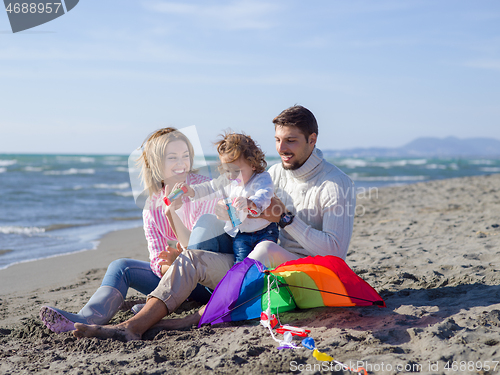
[[245, 185]]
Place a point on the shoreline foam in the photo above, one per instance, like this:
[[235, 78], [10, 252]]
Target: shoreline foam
[[85, 239]]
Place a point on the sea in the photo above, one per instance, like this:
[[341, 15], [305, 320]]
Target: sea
[[58, 204]]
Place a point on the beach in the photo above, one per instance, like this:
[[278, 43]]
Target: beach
[[431, 250]]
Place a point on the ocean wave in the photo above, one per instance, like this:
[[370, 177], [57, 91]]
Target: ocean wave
[[482, 162], [127, 218], [121, 169], [352, 163], [490, 169], [399, 163], [2, 170], [359, 163], [6, 251], [63, 226], [124, 193], [29, 231], [124, 185], [81, 159], [6, 163], [388, 178], [86, 159], [115, 162], [436, 166], [71, 171], [33, 169]]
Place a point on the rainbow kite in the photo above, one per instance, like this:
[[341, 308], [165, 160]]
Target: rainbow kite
[[304, 283]]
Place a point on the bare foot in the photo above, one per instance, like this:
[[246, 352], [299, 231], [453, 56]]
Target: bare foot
[[104, 332]]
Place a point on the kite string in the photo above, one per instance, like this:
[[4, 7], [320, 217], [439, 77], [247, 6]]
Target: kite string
[[269, 288], [269, 291], [280, 342]]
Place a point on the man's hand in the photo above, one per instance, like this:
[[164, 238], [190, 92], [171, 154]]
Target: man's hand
[[274, 211], [221, 211]]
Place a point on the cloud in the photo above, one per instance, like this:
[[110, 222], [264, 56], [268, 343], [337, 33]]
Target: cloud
[[370, 6], [134, 48], [234, 15], [481, 16], [490, 64]]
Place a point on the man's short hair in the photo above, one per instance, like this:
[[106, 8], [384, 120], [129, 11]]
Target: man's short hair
[[300, 117]]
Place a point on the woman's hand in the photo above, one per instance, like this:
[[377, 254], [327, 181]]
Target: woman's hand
[[174, 221], [221, 211], [169, 256], [176, 203]]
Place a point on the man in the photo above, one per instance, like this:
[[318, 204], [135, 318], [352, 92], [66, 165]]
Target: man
[[318, 198], [314, 208]]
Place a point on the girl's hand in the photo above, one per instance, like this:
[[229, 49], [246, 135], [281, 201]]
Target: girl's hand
[[241, 203], [184, 186]]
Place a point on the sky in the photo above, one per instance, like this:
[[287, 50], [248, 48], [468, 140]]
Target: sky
[[380, 73]]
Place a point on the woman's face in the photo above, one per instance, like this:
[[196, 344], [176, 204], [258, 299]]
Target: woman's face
[[176, 163]]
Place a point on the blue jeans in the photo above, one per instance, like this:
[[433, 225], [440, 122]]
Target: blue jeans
[[130, 273], [125, 273], [244, 242], [208, 234]]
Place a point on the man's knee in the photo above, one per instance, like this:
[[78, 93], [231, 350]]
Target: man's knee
[[187, 255], [263, 250], [271, 254]]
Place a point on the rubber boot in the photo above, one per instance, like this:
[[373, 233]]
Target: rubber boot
[[136, 308], [101, 307]]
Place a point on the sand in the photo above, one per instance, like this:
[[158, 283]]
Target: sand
[[432, 251]]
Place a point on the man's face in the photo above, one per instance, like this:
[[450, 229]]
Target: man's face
[[292, 146]]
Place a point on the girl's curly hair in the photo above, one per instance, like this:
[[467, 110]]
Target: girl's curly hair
[[236, 145]]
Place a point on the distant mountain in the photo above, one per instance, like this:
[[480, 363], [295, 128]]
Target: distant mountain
[[429, 147]]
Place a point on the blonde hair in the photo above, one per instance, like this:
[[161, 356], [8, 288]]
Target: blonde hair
[[235, 145], [152, 159]]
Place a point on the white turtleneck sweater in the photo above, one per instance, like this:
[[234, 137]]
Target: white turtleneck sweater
[[323, 200]]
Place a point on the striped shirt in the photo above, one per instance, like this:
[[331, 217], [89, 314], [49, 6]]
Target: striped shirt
[[156, 226]]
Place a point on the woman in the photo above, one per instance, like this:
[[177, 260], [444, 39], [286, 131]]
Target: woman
[[166, 160]]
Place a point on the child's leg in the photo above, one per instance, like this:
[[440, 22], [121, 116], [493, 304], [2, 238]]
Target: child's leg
[[269, 233], [208, 234], [242, 246]]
